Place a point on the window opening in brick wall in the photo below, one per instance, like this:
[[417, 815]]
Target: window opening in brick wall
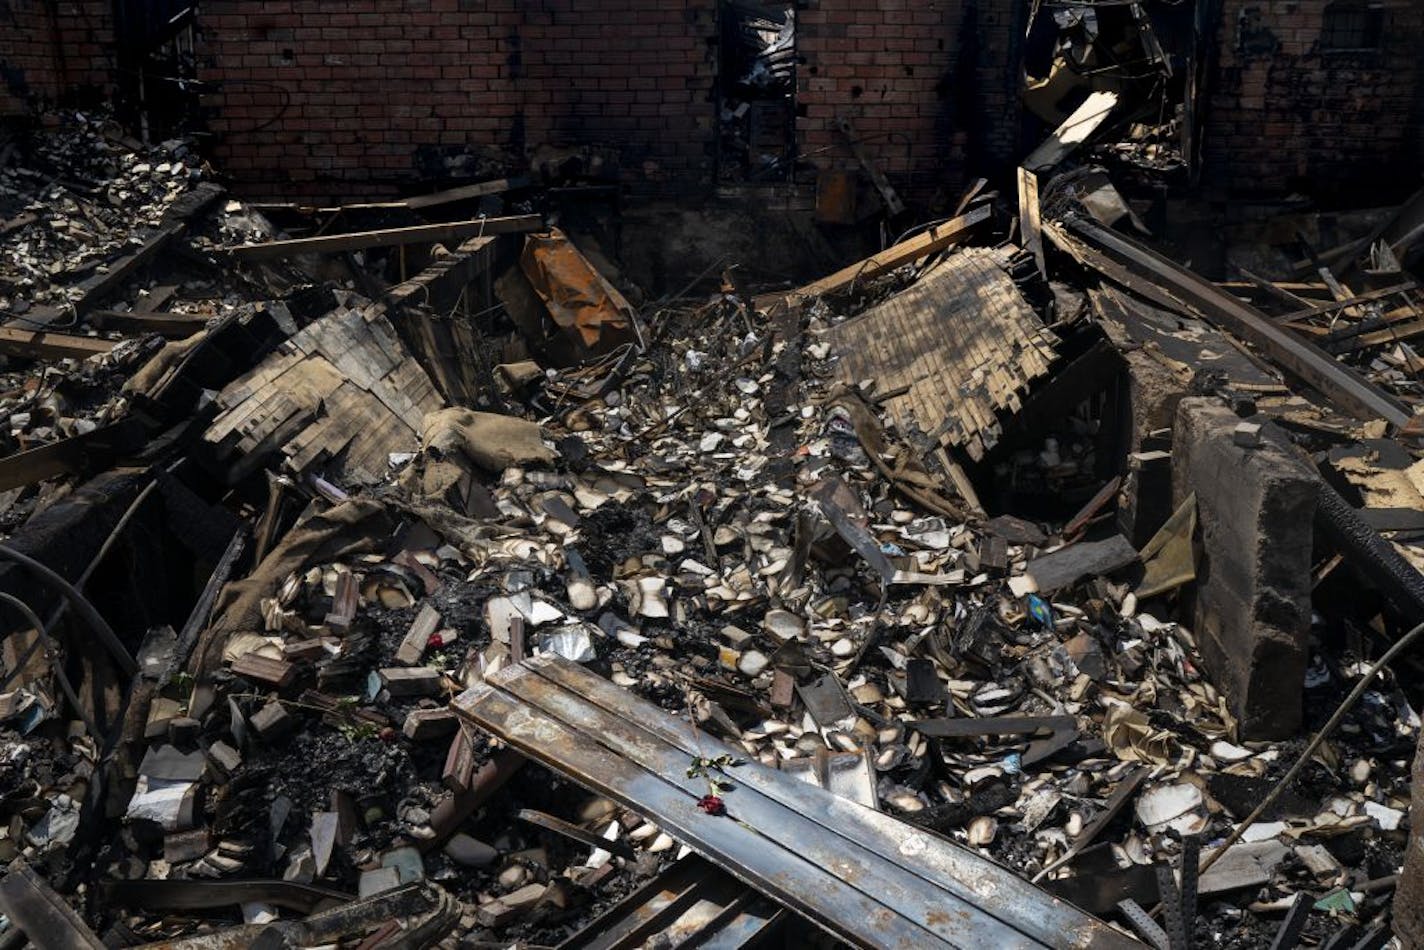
[[756, 79], [156, 67], [1351, 25]]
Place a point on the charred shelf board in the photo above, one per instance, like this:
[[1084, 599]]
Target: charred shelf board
[[865, 877], [342, 392]]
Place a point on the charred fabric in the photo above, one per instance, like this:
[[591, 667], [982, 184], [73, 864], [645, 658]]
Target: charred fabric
[[401, 575]]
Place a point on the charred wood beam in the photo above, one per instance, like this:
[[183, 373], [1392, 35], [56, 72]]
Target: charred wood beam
[[207, 895], [90, 451], [173, 326], [1371, 555], [1316, 310], [465, 193], [35, 345], [391, 237], [931, 241], [428, 912]]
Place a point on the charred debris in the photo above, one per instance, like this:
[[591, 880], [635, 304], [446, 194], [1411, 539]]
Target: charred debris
[[401, 575]]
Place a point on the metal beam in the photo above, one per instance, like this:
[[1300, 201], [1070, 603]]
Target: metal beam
[[867, 878], [1143, 270], [693, 903]]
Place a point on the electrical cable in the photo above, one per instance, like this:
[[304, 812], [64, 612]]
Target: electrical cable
[[86, 610], [870, 260], [50, 325], [58, 613], [201, 87]]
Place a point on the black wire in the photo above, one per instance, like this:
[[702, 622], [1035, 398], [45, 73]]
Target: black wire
[[199, 86], [20, 663], [281, 111], [72, 322], [916, 229], [86, 610], [920, 227], [114, 535]]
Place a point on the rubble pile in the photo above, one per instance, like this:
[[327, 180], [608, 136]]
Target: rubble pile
[[80, 199], [405, 525], [85, 207]]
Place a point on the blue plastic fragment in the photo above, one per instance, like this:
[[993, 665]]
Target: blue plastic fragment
[[1039, 610]]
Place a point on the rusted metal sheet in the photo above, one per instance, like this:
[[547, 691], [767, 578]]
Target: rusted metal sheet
[[865, 877], [1144, 271], [835, 197], [582, 302]]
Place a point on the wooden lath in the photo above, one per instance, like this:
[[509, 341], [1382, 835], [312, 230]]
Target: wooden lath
[[961, 343]]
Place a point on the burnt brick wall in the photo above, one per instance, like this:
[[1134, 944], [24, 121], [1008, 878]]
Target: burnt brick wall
[[313, 98], [631, 75], [931, 85], [1287, 114], [54, 53]]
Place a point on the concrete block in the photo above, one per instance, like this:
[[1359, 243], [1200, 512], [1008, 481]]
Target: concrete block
[[1152, 397], [1247, 434], [1250, 605], [1409, 897], [1145, 500]]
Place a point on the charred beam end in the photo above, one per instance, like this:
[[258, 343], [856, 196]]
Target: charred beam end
[[35, 909], [1370, 554]]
